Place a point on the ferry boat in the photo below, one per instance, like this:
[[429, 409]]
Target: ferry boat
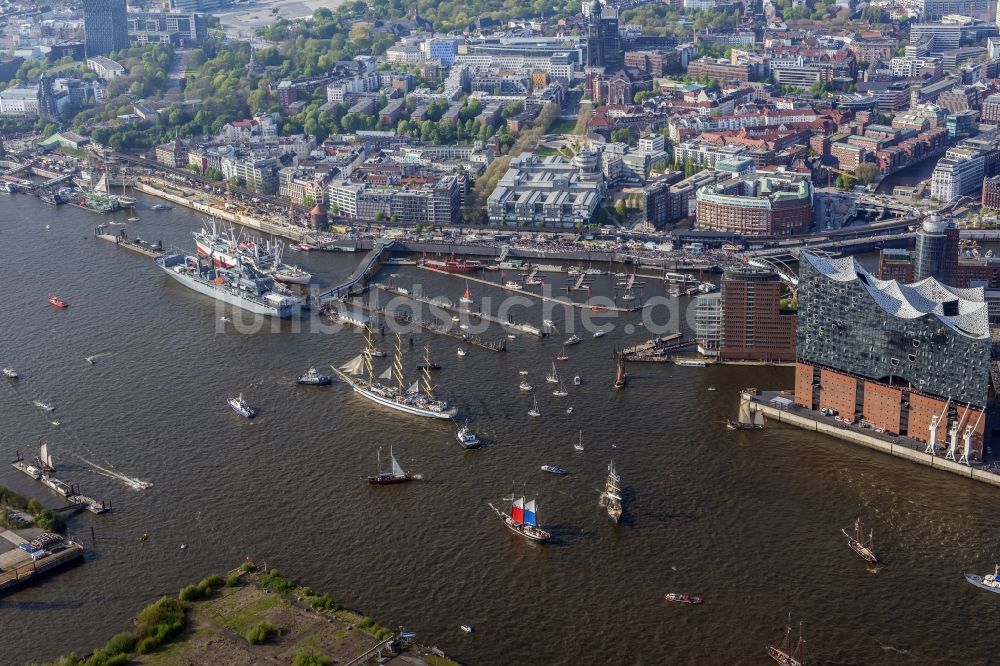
[[681, 598], [242, 407], [552, 469], [467, 438], [573, 340], [611, 496], [452, 265], [523, 519], [241, 285], [864, 551], [687, 363], [397, 475], [989, 582], [312, 377], [58, 302], [161, 206], [784, 655], [10, 373], [359, 374]]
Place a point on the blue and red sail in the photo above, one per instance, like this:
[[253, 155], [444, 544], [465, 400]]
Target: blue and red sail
[[517, 511]]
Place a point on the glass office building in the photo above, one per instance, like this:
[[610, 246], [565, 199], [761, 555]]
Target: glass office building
[[105, 23]]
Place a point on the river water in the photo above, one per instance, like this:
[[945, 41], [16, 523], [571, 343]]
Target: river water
[[750, 521]]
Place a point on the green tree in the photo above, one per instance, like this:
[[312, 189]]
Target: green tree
[[866, 173]]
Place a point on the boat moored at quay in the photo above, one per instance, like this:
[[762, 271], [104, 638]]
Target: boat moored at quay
[[240, 285]]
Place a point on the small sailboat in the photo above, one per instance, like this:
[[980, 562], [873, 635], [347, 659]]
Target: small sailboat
[[745, 420], [534, 409], [579, 444], [560, 392], [784, 655], [611, 496], [620, 375], [523, 519], [397, 475], [553, 376], [44, 461], [864, 551], [525, 386], [552, 469], [242, 407], [563, 356], [466, 297]]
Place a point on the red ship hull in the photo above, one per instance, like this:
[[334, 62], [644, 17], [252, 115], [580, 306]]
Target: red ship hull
[[455, 266]]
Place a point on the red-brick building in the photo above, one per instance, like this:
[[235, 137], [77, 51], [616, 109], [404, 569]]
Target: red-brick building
[[755, 327]]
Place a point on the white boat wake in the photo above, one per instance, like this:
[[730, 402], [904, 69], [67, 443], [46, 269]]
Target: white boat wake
[[130, 481], [93, 357]]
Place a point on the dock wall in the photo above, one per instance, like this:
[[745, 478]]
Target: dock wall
[[868, 441]]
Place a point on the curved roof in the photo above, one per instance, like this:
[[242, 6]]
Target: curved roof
[[912, 301]]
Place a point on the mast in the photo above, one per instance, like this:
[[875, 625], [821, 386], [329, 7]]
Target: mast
[[801, 647], [397, 364], [369, 352], [428, 387]]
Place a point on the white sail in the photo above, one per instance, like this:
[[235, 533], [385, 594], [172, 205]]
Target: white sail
[[387, 374], [43, 454], [758, 417], [414, 387], [396, 469], [744, 416], [355, 366]]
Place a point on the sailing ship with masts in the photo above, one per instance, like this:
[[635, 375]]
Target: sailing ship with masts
[[620, 375], [865, 551], [784, 654], [745, 420], [523, 518], [359, 373], [611, 496], [396, 475]]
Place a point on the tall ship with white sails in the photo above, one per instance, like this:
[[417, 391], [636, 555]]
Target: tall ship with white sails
[[359, 373], [611, 496]]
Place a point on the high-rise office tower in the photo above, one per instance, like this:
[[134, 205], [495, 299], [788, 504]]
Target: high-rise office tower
[[105, 23]]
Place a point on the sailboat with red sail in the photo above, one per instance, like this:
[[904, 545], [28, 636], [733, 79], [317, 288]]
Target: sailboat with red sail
[[523, 519]]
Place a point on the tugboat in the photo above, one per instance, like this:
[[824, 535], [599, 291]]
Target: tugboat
[[242, 407], [313, 377], [989, 582], [552, 469], [11, 373], [467, 438], [785, 656], [397, 475], [523, 519], [58, 302], [864, 551], [681, 598]]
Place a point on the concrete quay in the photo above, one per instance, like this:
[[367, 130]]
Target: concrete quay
[[900, 447]]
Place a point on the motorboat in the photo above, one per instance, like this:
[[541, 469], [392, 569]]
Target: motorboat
[[600, 333], [552, 469], [577, 380], [467, 438], [573, 340], [161, 207], [681, 598], [58, 302], [462, 352], [989, 582], [312, 377], [44, 405], [242, 407], [525, 386], [10, 373], [466, 628]]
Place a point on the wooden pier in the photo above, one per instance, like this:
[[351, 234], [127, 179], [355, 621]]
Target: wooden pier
[[657, 350], [137, 245], [448, 307], [406, 320], [541, 297]]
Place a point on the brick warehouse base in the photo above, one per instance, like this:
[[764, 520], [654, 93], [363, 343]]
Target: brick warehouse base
[[807, 421]]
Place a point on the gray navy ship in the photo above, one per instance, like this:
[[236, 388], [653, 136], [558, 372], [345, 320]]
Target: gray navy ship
[[241, 285]]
